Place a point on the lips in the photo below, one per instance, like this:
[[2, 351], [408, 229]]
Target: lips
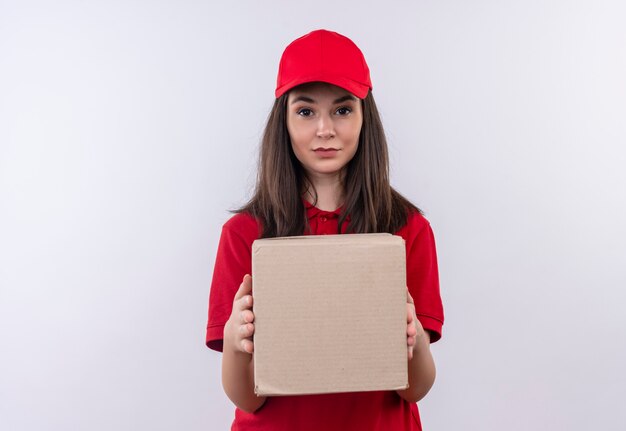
[[326, 152]]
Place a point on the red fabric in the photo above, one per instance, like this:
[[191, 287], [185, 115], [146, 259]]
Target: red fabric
[[324, 56], [383, 410]]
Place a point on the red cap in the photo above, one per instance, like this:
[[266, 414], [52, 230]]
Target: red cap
[[324, 56]]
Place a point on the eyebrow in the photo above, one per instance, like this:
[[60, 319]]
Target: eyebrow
[[309, 100]]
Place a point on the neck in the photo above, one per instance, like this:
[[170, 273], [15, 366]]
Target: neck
[[329, 192]]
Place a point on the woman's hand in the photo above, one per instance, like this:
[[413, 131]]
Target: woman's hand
[[421, 364], [239, 328], [237, 361], [414, 330]]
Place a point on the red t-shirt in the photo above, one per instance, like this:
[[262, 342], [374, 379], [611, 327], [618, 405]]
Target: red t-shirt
[[379, 410]]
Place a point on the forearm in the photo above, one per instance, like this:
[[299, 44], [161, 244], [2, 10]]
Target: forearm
[[238, 379], [421, 370]]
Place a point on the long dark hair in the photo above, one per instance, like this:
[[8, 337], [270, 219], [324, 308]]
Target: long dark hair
[[369, 199]]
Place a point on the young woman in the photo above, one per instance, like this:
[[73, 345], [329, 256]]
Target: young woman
[[323, 170]]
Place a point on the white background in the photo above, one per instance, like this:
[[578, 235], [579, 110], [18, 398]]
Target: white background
[[128, 129]]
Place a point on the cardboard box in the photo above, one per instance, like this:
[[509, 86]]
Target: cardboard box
[[330, 314]]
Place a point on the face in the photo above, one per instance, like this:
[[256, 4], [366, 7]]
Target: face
[[324, 123]]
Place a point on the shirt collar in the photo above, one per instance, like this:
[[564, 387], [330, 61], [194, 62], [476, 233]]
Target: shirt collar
[[313, 211]]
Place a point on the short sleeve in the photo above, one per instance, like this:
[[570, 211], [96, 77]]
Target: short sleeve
[[422, 273], [232, 261]]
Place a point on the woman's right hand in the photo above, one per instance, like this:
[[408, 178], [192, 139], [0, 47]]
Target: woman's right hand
[[237, 361], [239, 328]]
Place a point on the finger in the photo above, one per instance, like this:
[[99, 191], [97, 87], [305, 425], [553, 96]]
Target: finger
[[411, 338], [411, 330], [247, 345], [246, 330], [409, 298], [409, 313], [244, 302], [246, 316], [245, 288]]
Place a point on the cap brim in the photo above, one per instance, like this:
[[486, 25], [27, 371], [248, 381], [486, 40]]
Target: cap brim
[[358, 89]]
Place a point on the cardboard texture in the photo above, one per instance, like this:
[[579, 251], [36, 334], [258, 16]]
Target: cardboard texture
[[330, 314]]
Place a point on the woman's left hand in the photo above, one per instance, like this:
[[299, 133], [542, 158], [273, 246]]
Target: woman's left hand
[[414, 330]]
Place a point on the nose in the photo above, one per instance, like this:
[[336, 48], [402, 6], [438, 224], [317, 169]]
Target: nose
[[325, 127]]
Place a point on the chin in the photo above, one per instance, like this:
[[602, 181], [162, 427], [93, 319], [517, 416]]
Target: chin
[[327, 170]]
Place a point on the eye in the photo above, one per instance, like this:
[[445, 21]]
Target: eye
[[305, 112], [344, 110]]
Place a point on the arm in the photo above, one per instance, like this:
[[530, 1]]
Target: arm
[[237, 360], [421, 364]]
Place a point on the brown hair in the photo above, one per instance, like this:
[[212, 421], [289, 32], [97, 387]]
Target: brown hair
[[371, 202]]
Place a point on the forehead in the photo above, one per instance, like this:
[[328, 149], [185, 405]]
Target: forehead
[[319, 90]]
